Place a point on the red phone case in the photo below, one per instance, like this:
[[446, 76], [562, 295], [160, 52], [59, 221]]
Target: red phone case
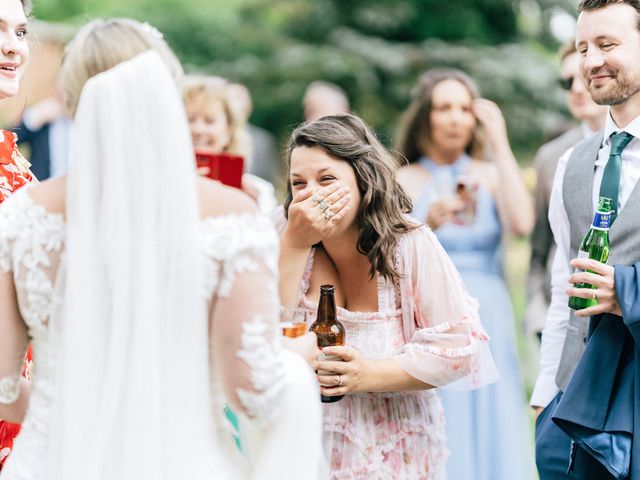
[[224, 167]]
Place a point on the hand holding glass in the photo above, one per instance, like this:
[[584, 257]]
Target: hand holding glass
[[293, 321]]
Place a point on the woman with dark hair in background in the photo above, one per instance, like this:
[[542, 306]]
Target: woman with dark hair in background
[[447, 135], [410, 325]]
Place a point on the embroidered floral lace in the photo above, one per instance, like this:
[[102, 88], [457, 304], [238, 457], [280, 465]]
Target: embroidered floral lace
[[240, 256]]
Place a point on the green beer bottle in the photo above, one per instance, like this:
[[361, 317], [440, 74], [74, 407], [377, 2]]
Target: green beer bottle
[[595, 245]]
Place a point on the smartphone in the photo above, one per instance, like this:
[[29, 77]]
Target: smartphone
[[224, 167]]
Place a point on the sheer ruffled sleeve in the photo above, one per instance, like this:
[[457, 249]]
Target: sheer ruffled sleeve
[[273, 389], [13, 331], [447, 344]]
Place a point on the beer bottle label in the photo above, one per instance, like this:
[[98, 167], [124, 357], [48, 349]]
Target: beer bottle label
[[601, 221], [581, 254]]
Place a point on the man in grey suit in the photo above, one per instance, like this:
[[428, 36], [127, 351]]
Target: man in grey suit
[[606, 164], [591, 117]]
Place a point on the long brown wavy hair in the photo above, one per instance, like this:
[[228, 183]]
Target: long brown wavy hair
[[414, 134], [381, 215]]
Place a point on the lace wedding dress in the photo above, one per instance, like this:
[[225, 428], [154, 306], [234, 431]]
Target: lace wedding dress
[[239, 253]]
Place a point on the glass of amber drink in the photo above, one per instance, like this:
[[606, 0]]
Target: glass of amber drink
[[293, 321]]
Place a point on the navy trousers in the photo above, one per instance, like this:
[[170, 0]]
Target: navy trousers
[[554, 454]]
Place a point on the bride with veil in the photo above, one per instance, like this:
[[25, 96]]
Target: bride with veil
[[149, 296]]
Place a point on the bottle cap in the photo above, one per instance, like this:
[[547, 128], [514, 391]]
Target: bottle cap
[[327, 288]]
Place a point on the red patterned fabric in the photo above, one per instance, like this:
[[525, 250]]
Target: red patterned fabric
[[14, 169], [9, 431], [14, 173]]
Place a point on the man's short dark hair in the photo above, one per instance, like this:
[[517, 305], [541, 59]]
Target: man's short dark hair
[[588, 5]]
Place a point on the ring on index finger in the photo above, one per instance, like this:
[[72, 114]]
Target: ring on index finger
[[323, 205]]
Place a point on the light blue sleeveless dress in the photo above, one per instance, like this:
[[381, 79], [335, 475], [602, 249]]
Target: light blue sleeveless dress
[[487, 430]]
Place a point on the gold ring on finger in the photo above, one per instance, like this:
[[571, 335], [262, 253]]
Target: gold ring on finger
[[595, 297], [339, 380]]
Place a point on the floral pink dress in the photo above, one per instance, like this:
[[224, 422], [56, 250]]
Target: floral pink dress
[[401, 435]]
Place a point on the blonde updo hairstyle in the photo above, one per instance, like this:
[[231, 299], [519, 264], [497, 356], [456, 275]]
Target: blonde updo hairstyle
[[101, 45]]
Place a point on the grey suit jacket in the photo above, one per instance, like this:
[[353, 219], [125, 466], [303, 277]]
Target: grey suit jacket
[[542, 244]]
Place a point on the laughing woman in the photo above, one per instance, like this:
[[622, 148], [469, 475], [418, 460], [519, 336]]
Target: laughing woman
[[14, 169], [411, 326], [14, 51]]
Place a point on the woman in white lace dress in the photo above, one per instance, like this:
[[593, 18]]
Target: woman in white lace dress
[[149, 296], [411, 326]]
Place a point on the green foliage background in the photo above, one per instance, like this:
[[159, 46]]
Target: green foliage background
[[374, 49]]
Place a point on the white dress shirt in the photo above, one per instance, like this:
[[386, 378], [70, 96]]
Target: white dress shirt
[[59, 140], [555, 328]]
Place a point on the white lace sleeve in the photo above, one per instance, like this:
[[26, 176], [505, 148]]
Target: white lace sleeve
[[13, 332], [246, 345], [265, 384]]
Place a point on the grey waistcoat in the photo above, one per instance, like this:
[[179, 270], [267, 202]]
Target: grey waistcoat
[[623, 238]]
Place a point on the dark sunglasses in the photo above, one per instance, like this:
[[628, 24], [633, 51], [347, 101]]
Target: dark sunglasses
[[566, 83]]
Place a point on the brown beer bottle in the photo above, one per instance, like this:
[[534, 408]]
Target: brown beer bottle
[[327, 328]]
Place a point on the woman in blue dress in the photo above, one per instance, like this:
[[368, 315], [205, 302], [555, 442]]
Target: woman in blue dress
[[466, 185]]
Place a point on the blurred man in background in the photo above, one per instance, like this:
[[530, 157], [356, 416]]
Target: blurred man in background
[[591, 117], [323, 98]]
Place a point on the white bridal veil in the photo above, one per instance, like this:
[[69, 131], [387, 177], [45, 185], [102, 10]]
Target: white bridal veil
[[131, 395]]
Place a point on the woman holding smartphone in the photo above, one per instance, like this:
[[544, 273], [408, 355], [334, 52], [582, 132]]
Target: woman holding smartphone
[[218, 128], [447, 133]]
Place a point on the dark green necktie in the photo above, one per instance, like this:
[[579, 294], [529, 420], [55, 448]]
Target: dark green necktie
[[611, 177]]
